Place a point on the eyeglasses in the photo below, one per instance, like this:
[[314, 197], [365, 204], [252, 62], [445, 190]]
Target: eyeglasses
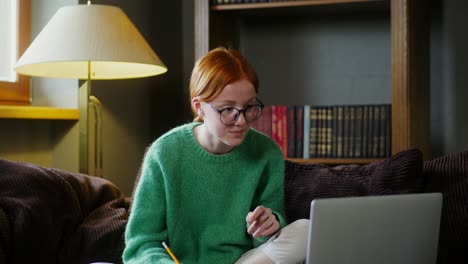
[[229, 115]]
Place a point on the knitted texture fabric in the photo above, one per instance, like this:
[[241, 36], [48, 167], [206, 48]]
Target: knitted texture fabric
[[54, 216], [398, 174], [448, 174], [197, 202]]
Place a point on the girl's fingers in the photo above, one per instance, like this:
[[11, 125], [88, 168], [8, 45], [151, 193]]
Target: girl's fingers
[[269, 226]]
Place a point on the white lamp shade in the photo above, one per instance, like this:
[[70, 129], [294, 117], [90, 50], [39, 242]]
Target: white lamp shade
[[100, 35]]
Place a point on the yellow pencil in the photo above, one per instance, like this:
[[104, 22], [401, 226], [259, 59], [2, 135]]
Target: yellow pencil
[[170, 253]]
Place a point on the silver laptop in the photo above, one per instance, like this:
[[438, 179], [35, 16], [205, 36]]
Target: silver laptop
[[393, 229]]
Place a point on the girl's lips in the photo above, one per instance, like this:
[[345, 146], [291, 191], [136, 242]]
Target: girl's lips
[[236, 132]]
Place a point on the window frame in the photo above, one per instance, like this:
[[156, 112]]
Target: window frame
[[18, 93]]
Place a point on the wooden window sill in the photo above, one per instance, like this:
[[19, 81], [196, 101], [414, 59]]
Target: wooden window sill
[[38, 112]]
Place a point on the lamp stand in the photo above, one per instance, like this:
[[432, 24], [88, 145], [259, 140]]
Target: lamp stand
[[83, 104], [97, 109], [85, 100]]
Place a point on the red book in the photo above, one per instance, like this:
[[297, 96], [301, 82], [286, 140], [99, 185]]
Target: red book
[[284, 128], [279, 131], [263, 124], [275, 125]]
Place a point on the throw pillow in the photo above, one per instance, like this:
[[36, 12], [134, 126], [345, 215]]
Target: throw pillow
[[398, 174], [449, 175]]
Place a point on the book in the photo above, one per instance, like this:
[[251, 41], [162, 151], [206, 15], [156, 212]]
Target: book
[[275, 125], [382, 131], [299, 123], [335, 132], [388, 131], [358, 136], [306, 134], [291, 133], [365, 131], [263, 124], [282, 129], [314, 132], [339, 133], [375, 131], [351, 136], [328, 131], [370, 130], [345, 131]]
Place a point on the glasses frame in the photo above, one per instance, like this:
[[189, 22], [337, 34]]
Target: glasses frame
[[239, 112]]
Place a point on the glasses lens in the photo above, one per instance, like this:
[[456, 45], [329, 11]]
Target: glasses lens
[[229, 115], [252, 113]]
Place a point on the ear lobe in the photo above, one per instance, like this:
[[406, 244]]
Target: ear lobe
[[200, 112]]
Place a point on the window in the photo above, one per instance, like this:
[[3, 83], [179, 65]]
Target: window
[[15, 23]]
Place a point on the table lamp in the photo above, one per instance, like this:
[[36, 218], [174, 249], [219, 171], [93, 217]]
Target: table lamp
[[89, 42]]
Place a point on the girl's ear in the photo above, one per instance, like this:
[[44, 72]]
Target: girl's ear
[[196, 105]]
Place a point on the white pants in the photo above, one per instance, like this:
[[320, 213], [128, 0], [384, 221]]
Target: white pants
[[287, 246]]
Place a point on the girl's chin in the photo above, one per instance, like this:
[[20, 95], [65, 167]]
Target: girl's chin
[[234, 142]]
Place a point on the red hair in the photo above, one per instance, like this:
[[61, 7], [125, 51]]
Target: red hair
[[215, 70]]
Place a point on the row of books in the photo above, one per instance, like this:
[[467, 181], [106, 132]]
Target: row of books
[[338, 131], [227, 2]]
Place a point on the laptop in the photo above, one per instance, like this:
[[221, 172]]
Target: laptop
[[390, 229]]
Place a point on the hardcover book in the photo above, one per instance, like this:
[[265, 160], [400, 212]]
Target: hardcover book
[[314, 132], [306, 134]]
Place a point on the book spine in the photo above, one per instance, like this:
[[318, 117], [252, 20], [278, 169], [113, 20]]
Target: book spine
[[299, 130], [382, 130], [365, 130], [329, 132], [376, 131], [282, 129], [314, 132], [291, 126], [306, 134], [263, 124], [340, 124], [321, 132], [351, 135], [335, 132], [346, 133], [388, 131], [267, 121], [274, 125], [370, 131], [358, 132]]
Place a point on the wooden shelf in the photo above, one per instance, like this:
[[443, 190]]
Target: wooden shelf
[[333, 161], [218, 25], [285, 4], [38, 112]]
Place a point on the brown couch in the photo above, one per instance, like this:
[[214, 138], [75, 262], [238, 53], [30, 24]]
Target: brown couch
[[53, 216]]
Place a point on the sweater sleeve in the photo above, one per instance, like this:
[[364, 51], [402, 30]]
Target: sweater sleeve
[[271, 189], [146, 228]]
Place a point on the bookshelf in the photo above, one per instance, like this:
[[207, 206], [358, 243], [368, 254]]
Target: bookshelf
[[336, 161], [409, 36]]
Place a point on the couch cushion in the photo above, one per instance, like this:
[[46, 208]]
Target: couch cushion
[[398, 174], [449, 175], [4, 236], [61, 217]]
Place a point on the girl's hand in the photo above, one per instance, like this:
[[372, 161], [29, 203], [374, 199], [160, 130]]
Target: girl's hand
[[261, 222]]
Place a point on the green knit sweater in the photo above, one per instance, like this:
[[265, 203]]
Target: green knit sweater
[[197, 202]]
